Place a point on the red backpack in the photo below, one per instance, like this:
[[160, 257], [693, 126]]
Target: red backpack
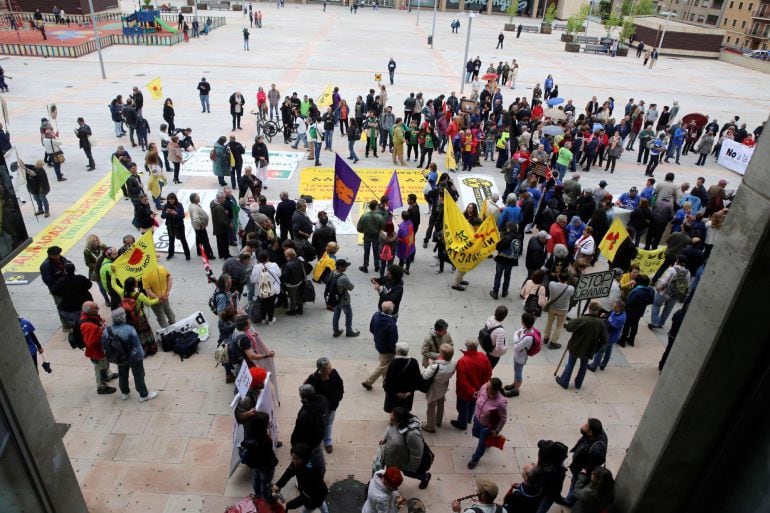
[[129, 305], [537, 342]]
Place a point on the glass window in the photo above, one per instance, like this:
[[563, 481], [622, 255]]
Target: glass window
[[728, 39], [751, 7], [743, 24], [740, 6], [17, 492], [734, 22], [711, 19], [731, 5]]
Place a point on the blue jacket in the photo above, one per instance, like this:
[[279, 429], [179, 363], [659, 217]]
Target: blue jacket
[[385, 331], [509, 214], [574, 232], [615, 324], [638, 299], [678, 139], [128, 335]]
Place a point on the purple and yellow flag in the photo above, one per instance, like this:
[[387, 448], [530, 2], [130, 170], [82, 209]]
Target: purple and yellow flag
[[346, 185], [393, 192]]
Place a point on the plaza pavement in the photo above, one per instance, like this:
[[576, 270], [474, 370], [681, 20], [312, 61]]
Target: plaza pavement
[[172, 454]]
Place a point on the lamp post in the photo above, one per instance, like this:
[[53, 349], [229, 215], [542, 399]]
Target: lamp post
[[433, 30], [467, 44], [665, 26], [418, 12], [96, 35]]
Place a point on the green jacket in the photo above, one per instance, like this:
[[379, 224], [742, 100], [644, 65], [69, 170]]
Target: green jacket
[[104, 273], [370, 225], [589, 333], [221, 165]]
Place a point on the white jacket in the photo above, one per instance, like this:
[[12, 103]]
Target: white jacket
[[498, 337], [522, 341], [379, 498], [273, 274], [443, 372]]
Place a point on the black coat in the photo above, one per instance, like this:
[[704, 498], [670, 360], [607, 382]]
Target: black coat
[[237, 150], [332, 389], [82, 133], [311, 485], [625, 254], [403, 376], [269, 211], [37, 184], [321, 237], [536, 254], [234, 102], [284, 212], [311, 422], [143, 214], [129, 115]]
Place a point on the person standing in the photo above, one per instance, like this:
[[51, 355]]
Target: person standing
[[310, 426], [38, 186], [473, 370], [173, 213], [486, 492], [343, 285], [402, 446], [73, 289], [588, 454], [494, 327], [391, 69], [200, 222], [385, 332], [328, 383], [615, 322], [557, 307], [672, 288], [121, 346], [589, 333], [237, 101], [370, 224], [221, 225], [204, 89], [401, 380], [91, 326], [236, 150], [245, 39], [157, 285], [274, 98], [382, 492], [83, 133], [354, 134], [51, 270], [284, 213], [437, 375], [500, 39], [33, 344], [523, 340], [261, 157], [54, 154]]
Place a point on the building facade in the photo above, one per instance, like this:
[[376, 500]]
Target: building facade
[[747, 24], [706, 13]]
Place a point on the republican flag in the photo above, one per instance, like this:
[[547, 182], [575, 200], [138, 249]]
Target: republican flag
[[393, 192], [155, 88], [346, 185], [118, 177], [613, 239]]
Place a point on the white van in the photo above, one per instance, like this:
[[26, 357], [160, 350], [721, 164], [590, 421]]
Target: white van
[[758, 54]]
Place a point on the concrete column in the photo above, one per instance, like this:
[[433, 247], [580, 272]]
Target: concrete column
[[442, 5], [461, 8], [704, 439], [31, 418], [535, 6], [489, 6]]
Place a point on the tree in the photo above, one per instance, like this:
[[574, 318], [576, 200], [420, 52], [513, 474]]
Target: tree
[[627, 30], [512, 10], [612, 22], [550, 15]]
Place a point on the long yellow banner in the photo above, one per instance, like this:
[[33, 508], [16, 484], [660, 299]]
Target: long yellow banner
[[318, 182], [465, 247], [65, 231]]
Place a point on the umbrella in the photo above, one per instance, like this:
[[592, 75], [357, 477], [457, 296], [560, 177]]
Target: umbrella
[[700, 119], [554, 101], [489, 76], [553, 130], [554, 114], [597, 127]]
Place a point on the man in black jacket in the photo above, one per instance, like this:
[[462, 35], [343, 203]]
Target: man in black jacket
[[323, 234], [310, 481], [310, 427], [130, 116], [328, 383], [138, 99], [536, 252], [83, 133], [236, 109], [236, 150], [283, 214], [51, 270], [268, 210], [588, 453]]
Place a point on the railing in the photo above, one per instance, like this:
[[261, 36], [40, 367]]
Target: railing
[[78, 19], [79, 50]]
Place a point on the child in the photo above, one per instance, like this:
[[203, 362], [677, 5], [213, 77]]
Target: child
[[523, 339]]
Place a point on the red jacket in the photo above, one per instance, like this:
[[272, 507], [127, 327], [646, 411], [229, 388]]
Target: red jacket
[[557, 237], [91, 327], [473, 370]]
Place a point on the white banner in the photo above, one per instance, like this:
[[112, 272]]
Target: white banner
[[282, 163], [264, 404], [475, 188], [160, 236], [735, 156], [347, 227], [195, 322]]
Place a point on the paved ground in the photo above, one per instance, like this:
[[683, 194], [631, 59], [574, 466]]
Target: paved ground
[[171, 454]]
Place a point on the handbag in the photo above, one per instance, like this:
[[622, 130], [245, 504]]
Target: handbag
[[58, 156], [552, 301], [531, 304], [424, 384], [386, 253]]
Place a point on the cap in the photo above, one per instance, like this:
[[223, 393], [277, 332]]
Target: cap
[[342, 263], [486, 487], [603, 183], [542, 234], [633, 189]]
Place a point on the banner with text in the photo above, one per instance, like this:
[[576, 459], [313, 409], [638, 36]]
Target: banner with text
[[734, 156], [282, 163], [318, 182], [475, 188], [160, 236]]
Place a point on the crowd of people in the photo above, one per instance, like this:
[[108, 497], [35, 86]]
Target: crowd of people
[[277, 242]]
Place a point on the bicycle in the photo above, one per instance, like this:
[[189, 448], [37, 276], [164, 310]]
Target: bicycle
[[267, 128]]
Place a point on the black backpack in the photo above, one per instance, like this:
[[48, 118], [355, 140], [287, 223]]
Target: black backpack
[[115, 347], [485, 338], [332, 294], [75, 337], [213, 301], [184, 344]]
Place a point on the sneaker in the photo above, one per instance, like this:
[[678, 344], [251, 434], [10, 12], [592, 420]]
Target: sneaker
[[271, 322], [112, 376], [363, 269], [353, 334], [458, 287], [337, 333], [124, 397], [106, 390], [554, 345], [149, 397]]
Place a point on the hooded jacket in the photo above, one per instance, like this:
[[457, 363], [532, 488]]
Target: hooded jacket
[[385, 331], [311, 422]]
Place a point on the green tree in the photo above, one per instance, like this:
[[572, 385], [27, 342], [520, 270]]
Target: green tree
[[612, 22], [550, 15], [512, 10]]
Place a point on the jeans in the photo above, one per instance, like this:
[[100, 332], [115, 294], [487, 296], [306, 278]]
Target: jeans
[[328, 137], [328, 431], [602, 356], [701, 159], [644, 151], [489, 150], [385, 139], [631, 140], [348, 318], [562, 169], [465, 412], [482, 432], [317, 146], [503, 271], [205, 103], [274, 109], [118, 128], [567, 374], [351, 150], [260, 481], [668, 305], [468, 76], [374, 245], [42, 202], [137, 369], [300, 137]]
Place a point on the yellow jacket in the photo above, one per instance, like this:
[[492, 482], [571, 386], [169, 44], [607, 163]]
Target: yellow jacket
[[324, 263]]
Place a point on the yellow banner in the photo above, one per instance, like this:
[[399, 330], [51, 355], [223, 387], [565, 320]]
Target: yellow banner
[[66, 230], [137, 260], [466, 248], [451, 163], [649, 261], [325, 99], [613, 239], [318, 182]]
